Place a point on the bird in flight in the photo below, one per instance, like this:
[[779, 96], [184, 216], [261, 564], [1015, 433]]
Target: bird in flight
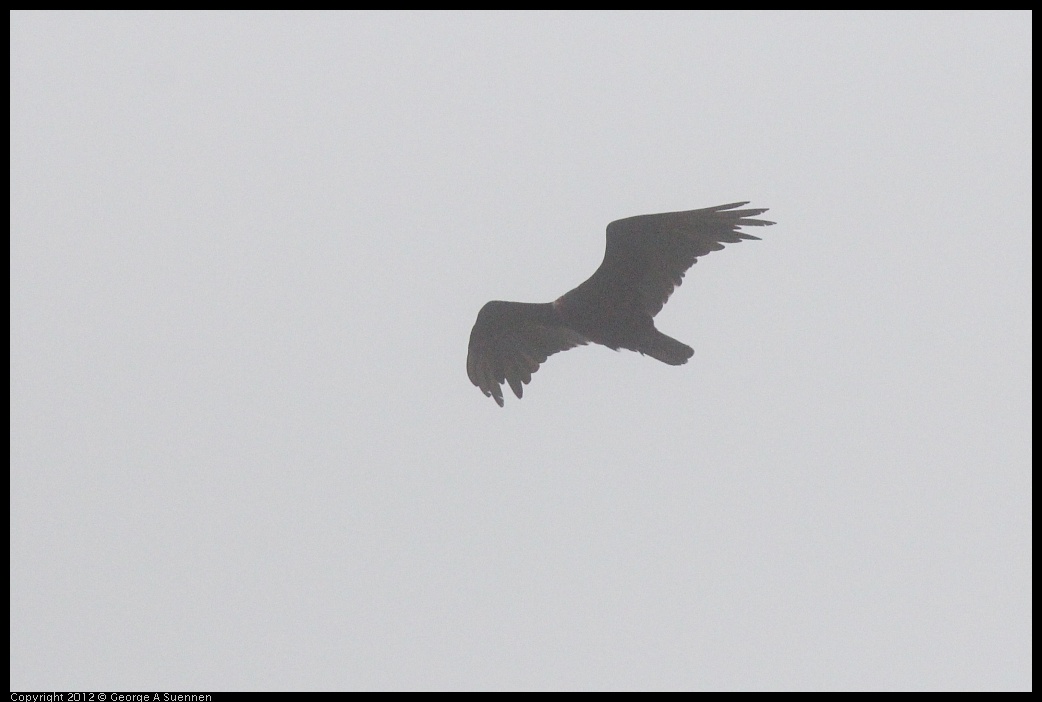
[[644, 260]]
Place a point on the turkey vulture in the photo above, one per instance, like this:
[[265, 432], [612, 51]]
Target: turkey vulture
[[644, 260]]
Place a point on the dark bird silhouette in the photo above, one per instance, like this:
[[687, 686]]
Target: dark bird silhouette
[[644, 260]]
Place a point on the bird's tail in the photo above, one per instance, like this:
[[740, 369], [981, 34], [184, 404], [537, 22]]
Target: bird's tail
[[666, 348]]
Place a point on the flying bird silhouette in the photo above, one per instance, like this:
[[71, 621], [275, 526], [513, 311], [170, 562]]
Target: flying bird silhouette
[[644, 260]]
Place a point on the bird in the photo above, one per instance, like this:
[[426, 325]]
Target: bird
[[645, 258]]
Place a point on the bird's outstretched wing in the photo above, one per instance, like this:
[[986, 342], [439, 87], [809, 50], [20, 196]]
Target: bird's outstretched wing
[[646, 256], [510, 340]]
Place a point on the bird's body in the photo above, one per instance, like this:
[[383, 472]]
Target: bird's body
[[644, 260]]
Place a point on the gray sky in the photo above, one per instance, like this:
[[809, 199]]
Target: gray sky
[[246, 254]]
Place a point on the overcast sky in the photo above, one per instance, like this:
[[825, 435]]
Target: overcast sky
[[246, 254]]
